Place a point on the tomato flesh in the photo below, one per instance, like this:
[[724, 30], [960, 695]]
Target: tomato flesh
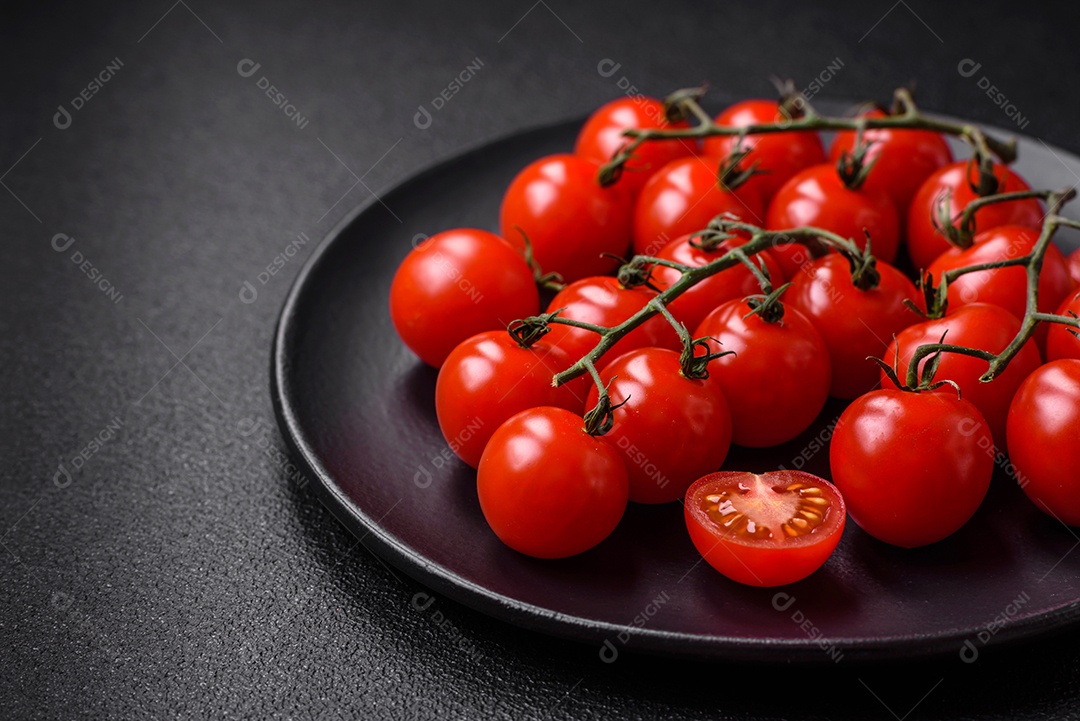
[[766, 529]]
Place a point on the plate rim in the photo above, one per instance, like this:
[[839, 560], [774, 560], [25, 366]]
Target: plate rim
[[387, 548]]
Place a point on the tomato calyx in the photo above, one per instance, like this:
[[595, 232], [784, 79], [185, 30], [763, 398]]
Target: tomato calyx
[[768, 305], [853, 167], [601, 418], [694, 366], [988, 183], [730, 174], [676, 104], [544, 281], [926, 383], [863, 265], [527, 331]]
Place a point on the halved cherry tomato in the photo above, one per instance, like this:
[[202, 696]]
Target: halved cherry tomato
[[766, 529], [602, 136], [778, 155]]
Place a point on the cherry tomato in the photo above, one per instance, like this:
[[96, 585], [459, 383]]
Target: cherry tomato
[[682, 197], [602, 137], [1060, 343], [735, 282], [1074, 267], [913, 467], [1044, 435], [779, 379], [764, 530], [978, 325], [489, 378], [547, 488], [854, 323], [902, 159], [456, 284], [569, 219], [780, 155], [671, 429], [818, 197], [603, 301], [1006, 287], [925, 242]]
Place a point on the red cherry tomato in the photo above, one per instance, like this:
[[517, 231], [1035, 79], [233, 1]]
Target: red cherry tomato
[[978, 325], [603, 301], [547, 488], [925, 242], [1074, 267], [569, 219], [671, 430], [1006, 287], [1060, 343], [602, 136], [913, 467], [777, 382], [902, 159], [818, 197], [682, 197], [780, 155], [764, 530], [489, 378], [854, 323], [456, 284], [731, 284], [1044, 435]]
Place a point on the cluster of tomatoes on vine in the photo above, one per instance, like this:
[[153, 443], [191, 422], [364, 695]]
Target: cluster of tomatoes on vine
[[653, 386]]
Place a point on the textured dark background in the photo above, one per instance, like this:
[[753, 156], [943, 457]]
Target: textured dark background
[[179, 567]]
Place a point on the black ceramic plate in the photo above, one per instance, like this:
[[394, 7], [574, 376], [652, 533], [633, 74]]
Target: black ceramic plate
[[357, 407]]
